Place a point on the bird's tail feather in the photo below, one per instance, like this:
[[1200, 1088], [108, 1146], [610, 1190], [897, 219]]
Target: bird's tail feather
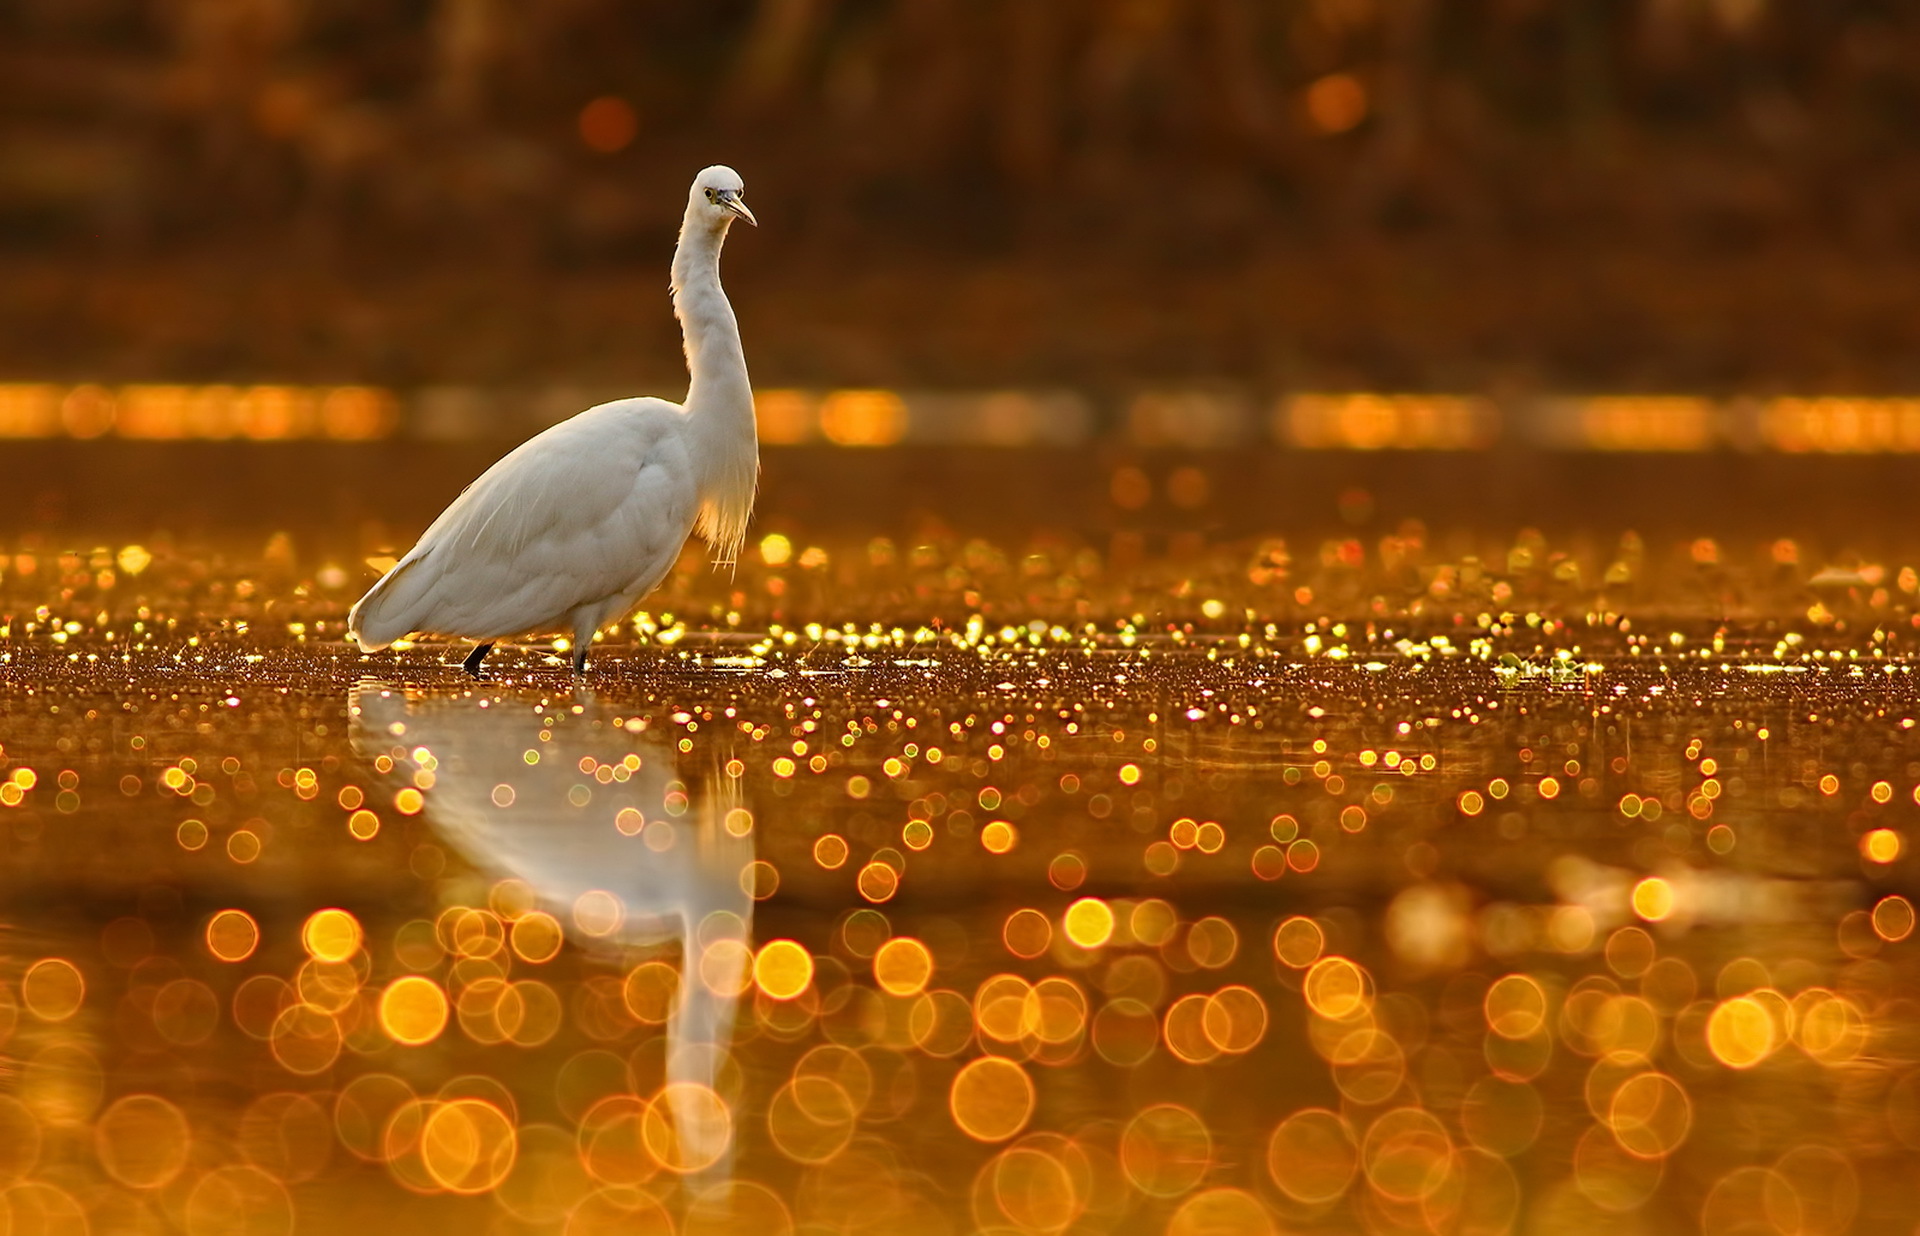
[[386, 613]]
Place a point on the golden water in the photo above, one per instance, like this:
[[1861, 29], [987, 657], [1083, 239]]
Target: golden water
[[991, 887]]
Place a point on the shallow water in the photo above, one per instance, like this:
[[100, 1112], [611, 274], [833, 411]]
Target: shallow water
[[990, 886]]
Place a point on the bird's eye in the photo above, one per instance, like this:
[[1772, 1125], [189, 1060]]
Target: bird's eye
[[709, 195]]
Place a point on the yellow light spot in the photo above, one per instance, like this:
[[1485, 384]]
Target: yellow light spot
[[999, 837], [1088, 922], [331, 935], [992, 1099], [409, 801], [782, 969], [413, 1010], [1882, 792], [1829, 785], [687, 1127], [1881, 845], [363, 824], [1653, 899], [1471, 803], [903, 966], [1129, 774], [1740, 1032], [232, 935]]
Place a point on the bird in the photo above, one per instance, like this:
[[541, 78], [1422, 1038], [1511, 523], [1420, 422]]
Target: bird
[[569, 530]]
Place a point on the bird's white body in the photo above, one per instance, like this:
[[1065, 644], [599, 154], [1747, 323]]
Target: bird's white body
[[573, 527]]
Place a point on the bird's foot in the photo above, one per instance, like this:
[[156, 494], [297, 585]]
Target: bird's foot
[[479, 654], [580, 661]]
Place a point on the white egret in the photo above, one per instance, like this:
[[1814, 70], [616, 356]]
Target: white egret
[[570, 529]]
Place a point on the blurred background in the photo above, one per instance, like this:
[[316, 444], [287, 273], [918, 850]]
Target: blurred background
[[1196, 225]]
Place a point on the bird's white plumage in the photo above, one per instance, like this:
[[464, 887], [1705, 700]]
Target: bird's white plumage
[[572, 528]]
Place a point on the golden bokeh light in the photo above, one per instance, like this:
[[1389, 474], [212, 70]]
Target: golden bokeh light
[[1650, 1115], [536, 937], [1740, 1032], [903, 966], [232, 935], [1407, 1156], [53, 989], [782, 969], [1166, 1150], [1653, 899], [331, 935], [1337, 988], [1088, 922], [1312, 1156], [1223, 1211], [1298, 942], [687, 1127], [811, 1119], [650, 992], [239, 1198], [413, 1010], [142, 1141], [1184, 1030], [877, 882], [1234, 1019], [1880, 845], [1516, 1006], [1893, 918], [468, 1146], [1027, 933], [991, 1099]]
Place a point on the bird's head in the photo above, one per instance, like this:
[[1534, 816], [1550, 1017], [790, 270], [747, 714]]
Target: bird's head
[[716, 196]]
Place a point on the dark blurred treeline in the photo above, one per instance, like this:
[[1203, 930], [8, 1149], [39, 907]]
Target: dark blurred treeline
[[1703, 193]]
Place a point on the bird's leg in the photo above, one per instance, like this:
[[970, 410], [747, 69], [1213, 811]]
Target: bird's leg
[[479, 654], [580, 658]]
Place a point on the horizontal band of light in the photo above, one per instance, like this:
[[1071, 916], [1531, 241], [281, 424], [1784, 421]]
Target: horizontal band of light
[[162, 413], [1208, 418]]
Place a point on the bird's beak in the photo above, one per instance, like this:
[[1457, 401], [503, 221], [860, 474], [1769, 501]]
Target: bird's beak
[[732, 202]]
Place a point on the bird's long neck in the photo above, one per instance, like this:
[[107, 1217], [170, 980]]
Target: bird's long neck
[[719, 395]]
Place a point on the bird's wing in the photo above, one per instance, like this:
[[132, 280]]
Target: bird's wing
[[590, 509]]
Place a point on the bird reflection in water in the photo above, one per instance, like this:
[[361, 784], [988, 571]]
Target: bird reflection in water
[[630, 856]]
